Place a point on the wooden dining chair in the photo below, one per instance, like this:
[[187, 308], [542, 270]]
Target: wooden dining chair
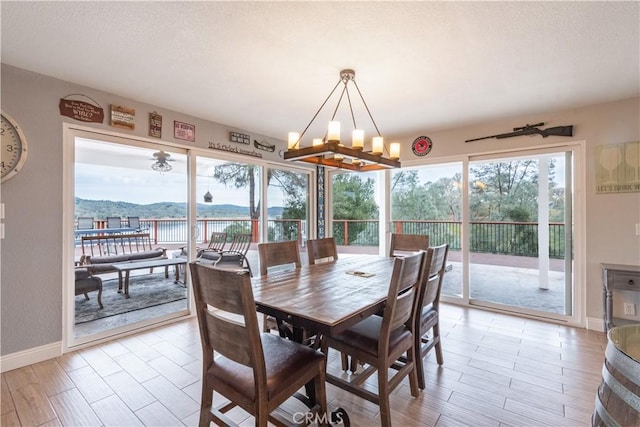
[[428, 310], [277, 254], [403, 244], [322, 250], [325, 250], [380, 341], [253, 370]]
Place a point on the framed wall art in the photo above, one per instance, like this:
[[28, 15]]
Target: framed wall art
[[184, 131], [618, 168]]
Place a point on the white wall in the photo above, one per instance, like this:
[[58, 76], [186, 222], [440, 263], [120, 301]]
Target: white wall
[[31, 254]]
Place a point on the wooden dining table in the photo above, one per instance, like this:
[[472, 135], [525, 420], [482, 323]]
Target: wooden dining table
[[326, 298]]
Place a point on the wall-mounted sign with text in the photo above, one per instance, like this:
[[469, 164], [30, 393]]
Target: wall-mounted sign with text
[[618, 168], [81, 110], [184, 131], [123, 117], [155, 125]]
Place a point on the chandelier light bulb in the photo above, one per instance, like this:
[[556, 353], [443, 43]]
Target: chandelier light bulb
[[293, 140], [394, 150], [333, 134], [357, 140], [377, 145]]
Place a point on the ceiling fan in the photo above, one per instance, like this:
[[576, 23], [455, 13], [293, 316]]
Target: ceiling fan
[[161, 161]]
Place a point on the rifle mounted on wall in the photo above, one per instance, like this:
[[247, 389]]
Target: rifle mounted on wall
[[531, 130]]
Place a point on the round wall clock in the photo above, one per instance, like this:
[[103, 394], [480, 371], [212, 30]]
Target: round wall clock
[[421, 146], [14, 147]]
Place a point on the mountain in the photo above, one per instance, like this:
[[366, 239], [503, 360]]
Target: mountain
[[100, 209]]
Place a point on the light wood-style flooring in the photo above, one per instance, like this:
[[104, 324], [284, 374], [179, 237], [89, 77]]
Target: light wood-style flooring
[[499, 370]]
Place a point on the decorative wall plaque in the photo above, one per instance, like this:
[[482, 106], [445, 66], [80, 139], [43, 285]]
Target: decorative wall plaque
[[184, 131], [155, 125], [81, 110], [618, 168], [233, 149], [123, 117], [240, 138], [320, 189], [421, 146], [264, 145]]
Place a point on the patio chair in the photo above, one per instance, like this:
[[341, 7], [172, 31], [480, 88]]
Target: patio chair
[[380, 341], [114, 222], [217, 242], [233, 258], [85, 223], [86, 283], [404, 244], [256, 371], [134, 222]]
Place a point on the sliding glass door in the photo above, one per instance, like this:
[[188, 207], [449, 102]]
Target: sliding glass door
[[130, 202], [520, 236]]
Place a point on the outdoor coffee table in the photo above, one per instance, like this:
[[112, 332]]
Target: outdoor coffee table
[[129, 266]]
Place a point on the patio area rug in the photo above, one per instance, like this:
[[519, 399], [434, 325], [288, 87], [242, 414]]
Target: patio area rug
[[145, 290]]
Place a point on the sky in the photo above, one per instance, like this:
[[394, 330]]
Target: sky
[[110, 171]]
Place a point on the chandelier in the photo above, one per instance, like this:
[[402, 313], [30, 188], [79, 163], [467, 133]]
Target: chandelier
[[329, 151], [162, 162]]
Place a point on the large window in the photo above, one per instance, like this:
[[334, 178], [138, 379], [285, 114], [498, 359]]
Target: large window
[[428, 200], [355, 211]]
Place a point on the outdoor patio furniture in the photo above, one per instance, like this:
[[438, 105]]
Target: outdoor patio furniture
[[134, 222], [114, 222], [86, 283], [99, 253], [85, 223], [233, 258]]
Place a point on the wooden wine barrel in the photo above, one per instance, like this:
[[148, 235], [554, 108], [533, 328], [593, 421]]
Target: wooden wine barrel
[[618, 398]]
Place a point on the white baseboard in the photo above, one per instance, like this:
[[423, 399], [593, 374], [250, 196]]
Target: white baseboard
[[23, 358], [595, 324]]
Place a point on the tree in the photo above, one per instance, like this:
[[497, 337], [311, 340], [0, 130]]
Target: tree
[[243, 175], [293, 185], [440, 200], [353, 199], [506, 191]]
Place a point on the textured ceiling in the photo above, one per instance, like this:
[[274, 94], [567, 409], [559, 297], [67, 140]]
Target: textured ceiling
[[267, 66]]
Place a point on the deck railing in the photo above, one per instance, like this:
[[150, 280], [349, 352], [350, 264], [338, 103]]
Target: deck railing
[[508, 238]]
